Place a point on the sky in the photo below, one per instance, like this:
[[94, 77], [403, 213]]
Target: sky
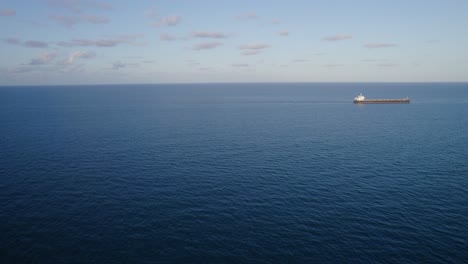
[[183, 41]]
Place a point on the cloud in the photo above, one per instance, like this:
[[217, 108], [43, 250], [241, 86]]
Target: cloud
[[27, 68], [19, 70], [120, 65], [48, 57], [250, 52], [380, 45], [67, 21], [337, 37], [216, 35], [90, 42], [283, 33], [102, 43], [240, 65], [7, 12], [374, 60], [387, 65], [97, 19], [246, 16], [45, 67], [43, 58], [35, 44], [206, 45], [12, 41], [160, 21], [168, 21], [193, 64], [276, 21], [27, 44], [167, 37], [254, 47], [151, 14], [80, 54], [332, 65], [77, 6], [70, 21], [300, 60]]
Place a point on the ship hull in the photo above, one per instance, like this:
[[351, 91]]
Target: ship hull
[[383, 101]]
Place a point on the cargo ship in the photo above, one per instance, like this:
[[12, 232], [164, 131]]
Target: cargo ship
[[360, 99]]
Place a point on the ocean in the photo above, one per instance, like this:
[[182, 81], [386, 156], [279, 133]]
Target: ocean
[[234, 173]]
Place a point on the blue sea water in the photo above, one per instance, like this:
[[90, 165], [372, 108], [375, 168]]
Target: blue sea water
[[234, 173]]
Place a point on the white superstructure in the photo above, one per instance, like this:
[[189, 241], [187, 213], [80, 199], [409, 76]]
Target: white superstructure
[[359, 98]]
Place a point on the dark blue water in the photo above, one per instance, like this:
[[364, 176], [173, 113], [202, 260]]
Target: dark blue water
[[239, 173]]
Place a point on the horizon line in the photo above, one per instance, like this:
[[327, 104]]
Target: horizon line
[[214, 83]]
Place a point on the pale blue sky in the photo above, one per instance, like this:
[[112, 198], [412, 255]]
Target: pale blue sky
[[93, 41]]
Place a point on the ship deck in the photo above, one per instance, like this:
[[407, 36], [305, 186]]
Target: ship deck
[[383, 101]]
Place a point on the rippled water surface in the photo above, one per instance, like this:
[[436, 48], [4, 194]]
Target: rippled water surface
[[253, 173]]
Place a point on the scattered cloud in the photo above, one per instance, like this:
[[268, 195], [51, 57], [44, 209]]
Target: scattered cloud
[[276, 21], [35, 44], [23, 69], [43, 58], [151, 14], [168, 21], [204, 34], [284, 33], [254, 47], [90, 42], [167, 37], [206, 45], [246, 16], [387, 65], [27, 44], [70, 21], [78, 6], [332, 65], [67, 21], [161, 21], [48, 57], [337, 37], [12, 41], [104, 42], [379, 45], [119, 65], [373, 60], [7, 12], [250, 52], [240, 65], [192, 63], [80, 54], [97, 19], [300, 60], [74, 68]]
